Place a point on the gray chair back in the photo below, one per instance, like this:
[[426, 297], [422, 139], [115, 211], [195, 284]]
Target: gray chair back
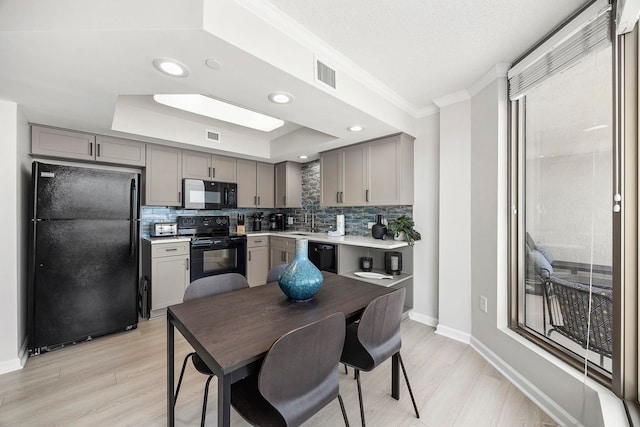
[[274, 273], [214, 285], [299, 375], [379, 327]]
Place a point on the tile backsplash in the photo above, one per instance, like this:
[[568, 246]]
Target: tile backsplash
[[356, 218]]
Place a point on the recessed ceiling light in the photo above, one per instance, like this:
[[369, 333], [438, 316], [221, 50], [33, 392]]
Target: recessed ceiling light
[[171, 67], [355, 128], [220, 110], [302, 156], [281, 98]]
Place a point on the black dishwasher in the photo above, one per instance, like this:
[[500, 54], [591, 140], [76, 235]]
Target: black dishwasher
[[323, 256]]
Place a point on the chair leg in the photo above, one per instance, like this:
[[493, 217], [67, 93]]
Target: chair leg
[[184, 365], [344, 412], [346, 371], [204, 403], [406, 378], [357, 375]]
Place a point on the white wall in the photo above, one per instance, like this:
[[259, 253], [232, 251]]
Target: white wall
[[12, 246], [454, 315], [426, 168]]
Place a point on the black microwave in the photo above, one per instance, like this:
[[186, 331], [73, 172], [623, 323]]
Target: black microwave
[[199, 194]]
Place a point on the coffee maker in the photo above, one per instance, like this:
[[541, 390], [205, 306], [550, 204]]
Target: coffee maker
[[277, 221]]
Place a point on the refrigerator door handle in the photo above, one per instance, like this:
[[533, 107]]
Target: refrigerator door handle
[[133, 221]]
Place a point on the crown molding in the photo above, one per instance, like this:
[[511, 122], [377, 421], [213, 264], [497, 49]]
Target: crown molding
[[427, 111], [499, 70], [453, 98]]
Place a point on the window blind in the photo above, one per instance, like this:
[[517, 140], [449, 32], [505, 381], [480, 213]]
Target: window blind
[[593, 36]]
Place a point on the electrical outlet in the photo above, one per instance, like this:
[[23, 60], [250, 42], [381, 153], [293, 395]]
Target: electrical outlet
[[370, 225], [483, 304]]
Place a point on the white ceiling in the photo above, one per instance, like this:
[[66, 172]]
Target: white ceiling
[[86, 65]]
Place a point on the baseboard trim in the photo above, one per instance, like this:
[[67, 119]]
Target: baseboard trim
[[422, 318], [552, 409], [17, 362], [454, 334]]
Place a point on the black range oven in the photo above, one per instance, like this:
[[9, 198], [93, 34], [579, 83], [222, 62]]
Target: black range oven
[[213, 249]]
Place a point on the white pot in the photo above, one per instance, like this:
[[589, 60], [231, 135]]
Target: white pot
[[399, 236]]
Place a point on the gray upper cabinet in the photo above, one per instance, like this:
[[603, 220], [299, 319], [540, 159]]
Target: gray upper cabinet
[[330, 178], [394, 156], [120, 151], [163, 176], [198, 165], [377, 173], [354, 176], [343, 176], [255, 184], [288, 185], [62, 143], [264, 181], [66, 144], [224, 169]]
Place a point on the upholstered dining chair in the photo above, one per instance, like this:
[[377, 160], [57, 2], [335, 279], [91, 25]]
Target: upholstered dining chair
[[274, 273], [204, 287], [298, 376], [375, 338]]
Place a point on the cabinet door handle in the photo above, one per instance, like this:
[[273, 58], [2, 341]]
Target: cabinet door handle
[[186, 264], [91, 148], [284, 200], [249, 255], [258, 200], [97, 150], [257, 241], [210, 176], [366, 198], [171, 250], [214, 172], [338, 197]]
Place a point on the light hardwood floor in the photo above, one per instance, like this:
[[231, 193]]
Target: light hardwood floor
[[119, 380]]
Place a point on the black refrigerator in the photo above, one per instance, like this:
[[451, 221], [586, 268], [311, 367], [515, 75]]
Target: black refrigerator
[[83, 254]]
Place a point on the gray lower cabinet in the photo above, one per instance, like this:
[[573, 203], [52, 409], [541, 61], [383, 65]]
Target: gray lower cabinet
[[65, 144], [255, 184], [257, 259], [162, 177], [166, 266], [282, 250]]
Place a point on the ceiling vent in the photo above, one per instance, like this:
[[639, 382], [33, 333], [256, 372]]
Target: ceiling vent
[[325, 74], [212, 135]]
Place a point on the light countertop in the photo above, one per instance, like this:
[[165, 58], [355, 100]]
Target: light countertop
[[168, 239], [368, 242]]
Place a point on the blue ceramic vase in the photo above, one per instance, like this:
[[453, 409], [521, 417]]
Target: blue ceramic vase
[[301, 279]]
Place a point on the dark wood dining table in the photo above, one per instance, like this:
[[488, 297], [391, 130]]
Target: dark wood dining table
[[232, 332]]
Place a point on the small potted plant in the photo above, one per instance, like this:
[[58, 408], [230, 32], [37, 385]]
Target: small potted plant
[[402, 229]]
